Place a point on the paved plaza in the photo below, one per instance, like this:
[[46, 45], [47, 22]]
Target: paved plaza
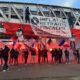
[[42, 72]]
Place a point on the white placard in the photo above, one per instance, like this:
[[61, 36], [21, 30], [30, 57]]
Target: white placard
[[50, 25]]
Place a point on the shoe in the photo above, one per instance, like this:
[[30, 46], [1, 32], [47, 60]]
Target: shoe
[[4, 71], [7, 69]]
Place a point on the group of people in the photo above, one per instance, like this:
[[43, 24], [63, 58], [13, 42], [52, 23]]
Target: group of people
[[10, 56], [57, 55]]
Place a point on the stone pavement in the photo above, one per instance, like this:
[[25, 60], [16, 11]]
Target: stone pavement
[[42, 72]]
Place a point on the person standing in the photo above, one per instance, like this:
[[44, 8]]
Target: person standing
[[45, 56], [11, 61], [52, 54], [60, 55], [39, 55], [78, 55], [16, 54], [56, 56], [33, 54], [66, 55], [25, 53], [5, 58], [27, 15], [1, 56]]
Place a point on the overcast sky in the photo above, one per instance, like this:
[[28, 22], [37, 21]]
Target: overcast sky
[[66, 3]]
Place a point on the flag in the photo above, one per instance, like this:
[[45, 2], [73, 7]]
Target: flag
[[14, 43], [62, 42]]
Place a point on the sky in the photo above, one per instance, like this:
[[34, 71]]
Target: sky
[[65, 3]]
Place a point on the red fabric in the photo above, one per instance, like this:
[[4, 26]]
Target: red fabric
[[11, 28], [76, 32]]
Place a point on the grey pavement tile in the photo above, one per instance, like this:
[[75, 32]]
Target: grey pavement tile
[[42, 72]]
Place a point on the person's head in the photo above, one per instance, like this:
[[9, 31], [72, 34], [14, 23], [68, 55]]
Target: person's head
[[5, 46], [27, 8]]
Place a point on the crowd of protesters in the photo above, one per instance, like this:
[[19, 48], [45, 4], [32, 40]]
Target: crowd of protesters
[[11, 56]]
